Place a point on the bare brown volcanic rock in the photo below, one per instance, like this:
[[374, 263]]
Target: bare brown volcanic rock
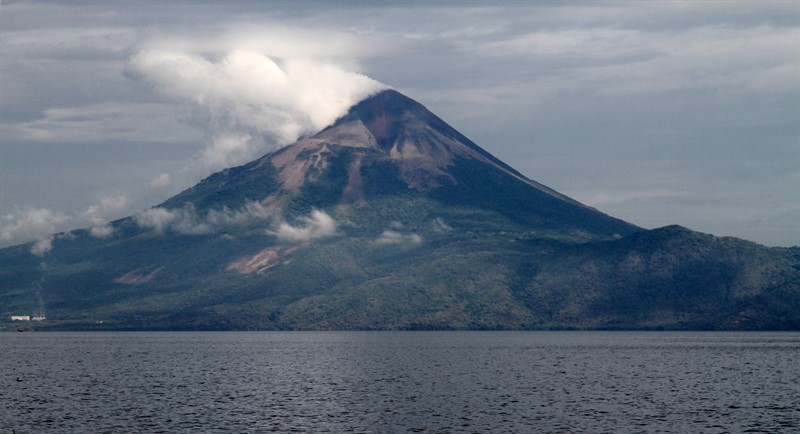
[[392, 219]]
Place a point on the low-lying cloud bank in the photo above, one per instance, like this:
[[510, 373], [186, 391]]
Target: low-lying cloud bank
[[25, 224], [186, 221], [162, 221], [316, 225]]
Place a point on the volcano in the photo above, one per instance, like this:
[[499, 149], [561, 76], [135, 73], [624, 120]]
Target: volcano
[[390, 147], [392, 219]]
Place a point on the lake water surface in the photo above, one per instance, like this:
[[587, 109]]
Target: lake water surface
[[387, 382]]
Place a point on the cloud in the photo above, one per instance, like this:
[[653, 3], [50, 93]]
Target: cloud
[[315, 226], [248, 102], [599, 42], [33, 223], [161, 180], [25, 224], [103, 123], [440, 226], [609, 61], [608, 197], [248, 214], [273, 39], [100, 213], [394, 237], [102, 231], [187, 221], [105, 209], [43, 246], [183, 221], [157, 219]]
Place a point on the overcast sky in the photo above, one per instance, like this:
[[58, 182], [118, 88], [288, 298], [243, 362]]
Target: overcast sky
[[662, 112]]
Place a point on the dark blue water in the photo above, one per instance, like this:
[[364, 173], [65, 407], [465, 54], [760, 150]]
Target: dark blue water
[[400, 382]]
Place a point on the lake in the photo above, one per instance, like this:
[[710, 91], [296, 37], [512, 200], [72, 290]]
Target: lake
[[386, 382]]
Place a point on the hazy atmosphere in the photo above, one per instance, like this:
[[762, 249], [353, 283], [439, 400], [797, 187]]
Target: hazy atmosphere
[[654, 112]]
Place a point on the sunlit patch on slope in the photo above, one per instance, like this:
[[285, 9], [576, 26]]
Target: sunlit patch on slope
[[262, 261], [139, 275]]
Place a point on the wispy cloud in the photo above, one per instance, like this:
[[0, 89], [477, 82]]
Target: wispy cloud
[[251, 212], [42, 247], [394, 237], [102, 231], [31, 223], [440, 226], [315, 226], [187, 221], [100, 213], [161, 180], [183, 221], [107, 207], [25, 224], [104, 123]]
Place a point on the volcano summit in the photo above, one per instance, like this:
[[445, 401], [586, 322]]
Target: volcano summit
[[392, 219]]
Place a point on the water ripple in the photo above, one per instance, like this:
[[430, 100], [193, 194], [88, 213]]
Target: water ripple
[[401, 382]]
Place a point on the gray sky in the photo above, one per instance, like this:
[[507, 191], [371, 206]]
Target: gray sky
[[662, 112]]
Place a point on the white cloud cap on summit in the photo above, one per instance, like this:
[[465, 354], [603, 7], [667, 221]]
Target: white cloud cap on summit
[[248, 102]]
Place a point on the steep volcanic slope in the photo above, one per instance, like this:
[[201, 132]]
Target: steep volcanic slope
[[391, 219], [387, 146]]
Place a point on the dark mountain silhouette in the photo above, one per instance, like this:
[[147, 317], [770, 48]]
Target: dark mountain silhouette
[[392, 219]]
